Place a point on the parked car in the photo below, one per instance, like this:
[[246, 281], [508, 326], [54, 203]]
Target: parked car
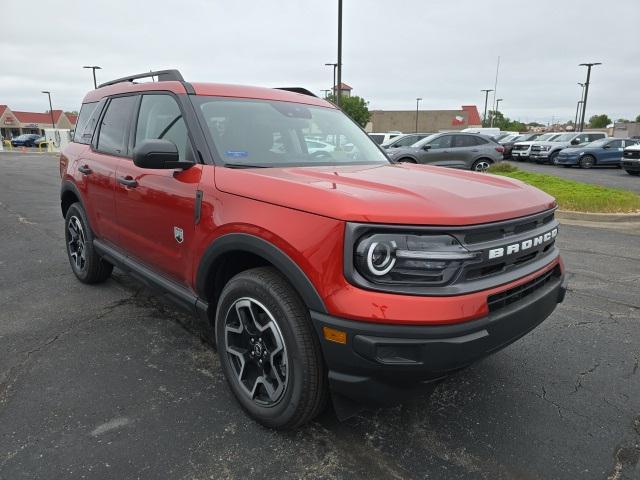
[[25, 140], [546, 152], [41, 142], [458, 150], [405, 140], [522, 149], [486, 131], [381, 138], [349, 276], [631, 159], [511, 140], [607, 151]]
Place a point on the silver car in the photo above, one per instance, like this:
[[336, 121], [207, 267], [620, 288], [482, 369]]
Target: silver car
[[469, 151]]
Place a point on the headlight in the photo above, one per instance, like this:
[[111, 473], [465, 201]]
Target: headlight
[[546, 148], [399, 259]]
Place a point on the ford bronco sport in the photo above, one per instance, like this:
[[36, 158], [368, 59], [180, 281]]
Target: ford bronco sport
[[341, 275]]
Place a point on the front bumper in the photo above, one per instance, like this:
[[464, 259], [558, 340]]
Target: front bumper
[[567, 160], [539, 156], [632, 165], [520, 154], [380, 361]]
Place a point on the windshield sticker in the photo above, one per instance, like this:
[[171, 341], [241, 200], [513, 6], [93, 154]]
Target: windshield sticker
[[236, 154]]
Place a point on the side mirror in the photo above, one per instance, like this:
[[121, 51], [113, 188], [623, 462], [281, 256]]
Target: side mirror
[[159, 154], [426, 147], [606, 146], [575, 141]]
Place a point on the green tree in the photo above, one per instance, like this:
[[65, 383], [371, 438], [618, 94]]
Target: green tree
[[356, 107], [504, 123], [599, 121], [638, 118]]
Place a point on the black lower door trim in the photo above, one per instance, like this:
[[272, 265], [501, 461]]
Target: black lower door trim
[[176, 292]]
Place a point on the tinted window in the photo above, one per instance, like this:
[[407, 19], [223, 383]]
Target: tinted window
[[465, 141], [160, 119], [84, 125], [377, 138], [615, 144], [594, 136], [114, 126], [407, 141], [441, 142]]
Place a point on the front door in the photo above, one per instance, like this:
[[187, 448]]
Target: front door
[[612, 154], [156, 208]]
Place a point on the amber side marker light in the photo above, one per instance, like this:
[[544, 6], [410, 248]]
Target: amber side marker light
[[333, 335]]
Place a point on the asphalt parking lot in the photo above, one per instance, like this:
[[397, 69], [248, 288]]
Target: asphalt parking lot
[[111, 382], [606, 176]]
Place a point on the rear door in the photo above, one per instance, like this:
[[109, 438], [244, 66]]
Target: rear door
[[156, 208]]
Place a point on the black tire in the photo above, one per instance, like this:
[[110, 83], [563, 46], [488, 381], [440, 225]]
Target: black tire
[[86, 264], [481, 165], [552, 158], [267, 296], [635, 173], [587, 161]]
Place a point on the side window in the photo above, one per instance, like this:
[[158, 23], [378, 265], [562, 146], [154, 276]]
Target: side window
[[441, 142], [86, 122], [464, 141], [595, 136], [160, 118], [615, 144], [115, 124]]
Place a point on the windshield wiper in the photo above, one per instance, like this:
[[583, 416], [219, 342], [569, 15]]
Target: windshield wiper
[[244, 165]]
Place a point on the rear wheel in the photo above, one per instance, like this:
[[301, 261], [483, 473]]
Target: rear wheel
[[85, 262], [481, 165], [587, 161], [407, 160], [269, 351]]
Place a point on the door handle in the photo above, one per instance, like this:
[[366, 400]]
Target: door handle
[[84, 169], [128, 181]]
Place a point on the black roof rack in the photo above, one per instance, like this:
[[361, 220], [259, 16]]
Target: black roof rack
[[300, 90], [163, 76]]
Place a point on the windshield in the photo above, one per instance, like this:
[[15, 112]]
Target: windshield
[[598, 143], [546, 136], [266, 133], [567, 137]]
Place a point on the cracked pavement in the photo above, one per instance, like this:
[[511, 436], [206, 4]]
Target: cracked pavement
[[110, 381]]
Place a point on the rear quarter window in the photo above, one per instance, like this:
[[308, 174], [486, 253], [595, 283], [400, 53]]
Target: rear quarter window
[[86, 123]]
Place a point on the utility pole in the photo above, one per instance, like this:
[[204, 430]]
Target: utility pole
[[94, 68], [495, 92], [586, 91], [498, 103], [339, 91], [334, 65], [486, 99], [326, 92], [50, 108], [417, 103], [575, 123]]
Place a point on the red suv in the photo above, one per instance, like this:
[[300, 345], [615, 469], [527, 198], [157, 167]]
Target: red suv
[[321, 271]]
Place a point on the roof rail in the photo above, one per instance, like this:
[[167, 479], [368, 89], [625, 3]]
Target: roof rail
[[300, 90], [163, 76]]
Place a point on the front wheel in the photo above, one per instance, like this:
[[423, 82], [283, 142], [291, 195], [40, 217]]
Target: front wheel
[[86, 264], [553, 157], [587, 161], [269, 351], [481, 165]]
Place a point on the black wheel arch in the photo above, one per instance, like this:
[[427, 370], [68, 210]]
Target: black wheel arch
[[69, 194], [260, 251]]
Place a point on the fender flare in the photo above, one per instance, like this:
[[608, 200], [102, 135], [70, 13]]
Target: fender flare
[[256, 245], [68, 186]]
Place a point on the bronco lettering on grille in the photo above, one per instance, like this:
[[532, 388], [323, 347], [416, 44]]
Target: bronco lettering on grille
[[524, 245]]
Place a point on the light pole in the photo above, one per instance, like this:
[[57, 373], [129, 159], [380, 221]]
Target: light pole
[[417, 103], [486, 99], [326, 92], [586, 90], [339, 92], [498, 103], [50, 108], [94, 68], [334, 65], [575, 123]]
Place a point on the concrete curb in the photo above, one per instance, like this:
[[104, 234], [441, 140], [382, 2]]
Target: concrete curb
[[598, 217]]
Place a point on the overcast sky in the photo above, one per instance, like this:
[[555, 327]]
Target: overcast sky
[[444, 51]]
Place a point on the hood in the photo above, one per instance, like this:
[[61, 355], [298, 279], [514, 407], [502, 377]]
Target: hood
[[396, 194], [633, 147], [527, 143]]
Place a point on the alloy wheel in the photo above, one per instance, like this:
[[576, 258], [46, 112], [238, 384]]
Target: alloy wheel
[[481, 166], [76, 243], [256, 351]]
